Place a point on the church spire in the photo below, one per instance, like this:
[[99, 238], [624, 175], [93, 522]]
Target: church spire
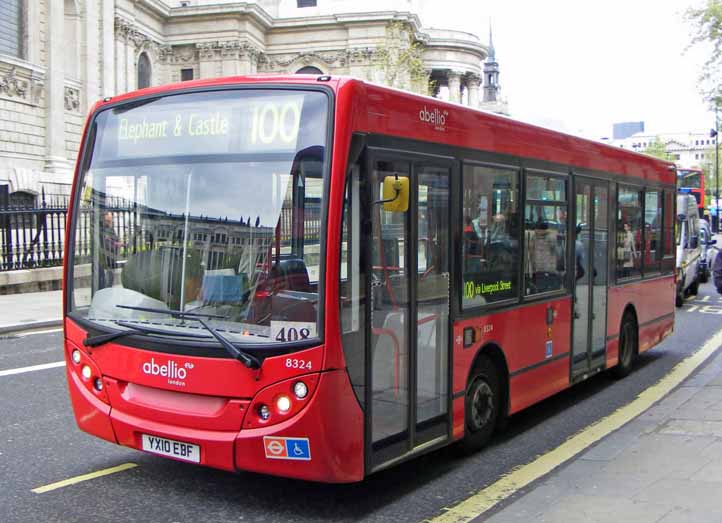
[[492, 52], [491, 73]]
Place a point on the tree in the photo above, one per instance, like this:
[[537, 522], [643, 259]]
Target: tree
[[400, 60], [707, 30], [710, 179], [658, 149]]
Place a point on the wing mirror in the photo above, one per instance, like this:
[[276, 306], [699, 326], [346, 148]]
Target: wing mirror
[[395, 193]]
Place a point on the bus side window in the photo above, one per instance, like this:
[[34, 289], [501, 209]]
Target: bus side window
[[545, 234], [629, 232], [491, 221]]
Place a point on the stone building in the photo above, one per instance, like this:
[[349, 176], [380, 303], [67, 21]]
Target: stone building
[[686, 149], [57, 57]]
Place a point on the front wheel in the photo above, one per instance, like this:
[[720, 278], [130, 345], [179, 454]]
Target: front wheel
[[627, 346], [694, 288], [482, 405]]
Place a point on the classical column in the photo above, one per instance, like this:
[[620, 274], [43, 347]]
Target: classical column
[[121, 34], [55, 159], [131, 72], [454, 86], [90, 55], [473, 82], [108, 41], [230, 55], [207, 59], [248, 59]]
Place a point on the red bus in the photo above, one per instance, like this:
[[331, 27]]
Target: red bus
[[318, 278], [691, 181]]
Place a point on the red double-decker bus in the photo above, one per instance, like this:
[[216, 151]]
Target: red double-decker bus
[[691, 181], [318, 278]]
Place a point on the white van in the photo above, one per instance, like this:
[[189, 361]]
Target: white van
[[688, 247]]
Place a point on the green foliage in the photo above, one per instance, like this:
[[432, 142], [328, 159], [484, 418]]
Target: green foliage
[[658, 149], [710, 180], [400, 59], [145, 271], [706, 25]]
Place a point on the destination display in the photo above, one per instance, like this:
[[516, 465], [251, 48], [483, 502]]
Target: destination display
[[233, 123]]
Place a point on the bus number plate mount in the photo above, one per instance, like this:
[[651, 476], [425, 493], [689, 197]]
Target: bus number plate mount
[[171, 448]]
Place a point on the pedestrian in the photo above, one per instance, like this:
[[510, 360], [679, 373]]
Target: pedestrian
[[717, 271]]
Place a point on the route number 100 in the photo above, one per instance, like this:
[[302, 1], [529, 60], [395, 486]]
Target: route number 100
[[275, 122]]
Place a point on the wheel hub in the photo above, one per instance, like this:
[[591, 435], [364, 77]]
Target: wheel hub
[[482, 405]]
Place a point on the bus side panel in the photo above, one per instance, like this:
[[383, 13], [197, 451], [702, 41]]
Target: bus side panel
[[539, 383], [536, 354], [655, 317]]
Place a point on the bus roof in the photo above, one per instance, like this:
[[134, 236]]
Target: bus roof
[[378, 109]]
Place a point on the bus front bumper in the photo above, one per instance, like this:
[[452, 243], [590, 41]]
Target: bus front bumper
[[323, 442]]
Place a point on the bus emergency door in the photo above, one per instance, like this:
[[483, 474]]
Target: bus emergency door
[[591, 239], [407, 387]]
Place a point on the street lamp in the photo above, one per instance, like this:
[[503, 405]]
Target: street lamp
[[713, 133]]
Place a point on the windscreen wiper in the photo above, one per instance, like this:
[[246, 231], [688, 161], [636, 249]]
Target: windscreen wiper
[[94, 341], [172, 312], [248, 360]]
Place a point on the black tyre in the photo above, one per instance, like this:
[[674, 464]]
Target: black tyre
[[679, 298], [704, 276], [694, 288], [628, 340], [482, 405]]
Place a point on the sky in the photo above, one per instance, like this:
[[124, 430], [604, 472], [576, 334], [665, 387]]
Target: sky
[[581, 65]]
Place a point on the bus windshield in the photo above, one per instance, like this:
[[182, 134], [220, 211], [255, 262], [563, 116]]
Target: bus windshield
[[208, 203]]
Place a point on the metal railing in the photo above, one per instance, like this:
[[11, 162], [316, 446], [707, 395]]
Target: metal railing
[[34, 237]]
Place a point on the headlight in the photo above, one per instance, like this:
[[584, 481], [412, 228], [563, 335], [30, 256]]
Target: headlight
[[300, 390], [283, 404]]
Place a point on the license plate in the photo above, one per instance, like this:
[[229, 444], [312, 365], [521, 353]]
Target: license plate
[[172, 448]]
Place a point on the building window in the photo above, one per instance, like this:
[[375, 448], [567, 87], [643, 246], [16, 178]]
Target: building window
[[143, 71], [186, 74], [11, 29], [309, 69], [306, 3]]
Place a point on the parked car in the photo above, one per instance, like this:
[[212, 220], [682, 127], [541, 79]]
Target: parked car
[[689, 251]]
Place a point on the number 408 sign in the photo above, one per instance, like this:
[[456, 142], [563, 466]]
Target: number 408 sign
[[284, 331]]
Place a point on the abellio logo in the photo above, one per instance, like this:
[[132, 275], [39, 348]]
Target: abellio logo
[[171, 370], [435, 117]]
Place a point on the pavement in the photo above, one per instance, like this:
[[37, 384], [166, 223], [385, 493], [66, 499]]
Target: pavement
[[32, 310], [663, 466]]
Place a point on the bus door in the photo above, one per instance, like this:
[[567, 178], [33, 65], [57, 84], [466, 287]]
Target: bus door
[[591, 237], [407, 388]]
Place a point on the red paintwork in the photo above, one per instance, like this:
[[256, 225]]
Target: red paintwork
[[654, 315], [217, 401], [523, 347]]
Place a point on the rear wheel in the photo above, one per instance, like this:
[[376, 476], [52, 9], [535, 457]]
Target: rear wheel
[[482, 405], [627, 346], [694, 288]]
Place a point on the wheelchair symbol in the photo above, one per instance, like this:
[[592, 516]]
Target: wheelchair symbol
[[298, 451]]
